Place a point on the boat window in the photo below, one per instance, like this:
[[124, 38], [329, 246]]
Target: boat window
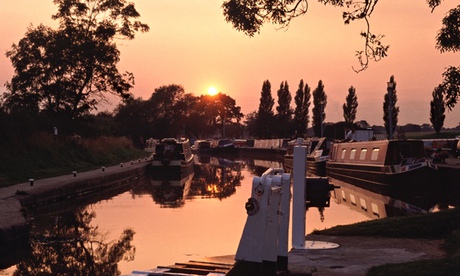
[[363, 203], [343, 153], [353, 199], [352, 153], [375, 210], [375, 154], [362, 155]]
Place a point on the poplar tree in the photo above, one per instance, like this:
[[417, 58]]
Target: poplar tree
[[389, 107], [350, 106], [319, 106], [265, 115], [284, 111], [302, 102], [437, 109]]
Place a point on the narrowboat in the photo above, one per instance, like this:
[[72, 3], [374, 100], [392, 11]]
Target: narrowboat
[[381, 162], [316, 160], [173, 156], [316, 157], [201, 146]]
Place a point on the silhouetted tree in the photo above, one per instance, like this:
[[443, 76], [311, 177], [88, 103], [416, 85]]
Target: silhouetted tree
[[284, 111], [251, 123], [134, 120], [249, 16], [265, 114], [168, 107], [319, 107], [437, 109], [451, 85], [390, 109], [302, 105], [350, 106], [67, 71], [220, 110]]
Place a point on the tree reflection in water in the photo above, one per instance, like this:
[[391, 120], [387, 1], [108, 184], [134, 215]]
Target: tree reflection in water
[[73, 247], [218, 178]]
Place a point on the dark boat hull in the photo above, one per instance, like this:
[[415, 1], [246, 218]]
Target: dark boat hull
[[368, 176]]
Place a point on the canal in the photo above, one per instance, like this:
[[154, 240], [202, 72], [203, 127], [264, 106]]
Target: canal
[[160, 220]]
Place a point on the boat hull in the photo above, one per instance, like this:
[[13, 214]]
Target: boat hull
[[367, 175]]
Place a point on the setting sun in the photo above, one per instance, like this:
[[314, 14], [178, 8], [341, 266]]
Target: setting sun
[[212, 91]]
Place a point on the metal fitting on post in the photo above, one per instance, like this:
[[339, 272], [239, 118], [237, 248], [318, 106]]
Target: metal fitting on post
[[252, 206]]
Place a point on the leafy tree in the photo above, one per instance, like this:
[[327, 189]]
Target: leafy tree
[[251, 123], [319, 106], [265, 114], [302, 105], [134, 120], [451, 86], [67, 71], [221, 110], [284, 111], [248, 16], [351, 105], [437, 109], [168, 108], [390, 111]]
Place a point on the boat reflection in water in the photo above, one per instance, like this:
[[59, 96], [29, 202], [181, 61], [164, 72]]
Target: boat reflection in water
[[387, 203], [170, 191]]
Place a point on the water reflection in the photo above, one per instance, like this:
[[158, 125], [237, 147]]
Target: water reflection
[[376, 201], [181, 218], [71, 246], [216, 177]]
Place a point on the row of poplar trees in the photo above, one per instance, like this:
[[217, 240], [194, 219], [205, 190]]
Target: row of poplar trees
[[288, 122], [291, 123]]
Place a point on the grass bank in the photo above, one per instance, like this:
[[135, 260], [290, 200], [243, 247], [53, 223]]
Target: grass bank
[[44, 156], [441, 225]]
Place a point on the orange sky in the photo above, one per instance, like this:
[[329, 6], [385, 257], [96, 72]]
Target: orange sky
[[191, 44]]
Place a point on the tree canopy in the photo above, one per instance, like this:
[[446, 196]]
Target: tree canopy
[[69, 69]]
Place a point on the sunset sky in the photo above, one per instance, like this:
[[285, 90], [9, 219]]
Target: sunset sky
[[191, 44]]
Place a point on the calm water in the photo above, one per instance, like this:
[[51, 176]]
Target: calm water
[[172, 224]]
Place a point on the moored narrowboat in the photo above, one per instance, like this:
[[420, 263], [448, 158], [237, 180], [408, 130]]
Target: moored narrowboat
[[173, 156], [381, 162]]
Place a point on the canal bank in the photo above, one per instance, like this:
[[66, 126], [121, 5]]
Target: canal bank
[[16, 199]]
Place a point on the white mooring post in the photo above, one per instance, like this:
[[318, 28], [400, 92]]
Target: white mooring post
[[298, 198], [262, 245]]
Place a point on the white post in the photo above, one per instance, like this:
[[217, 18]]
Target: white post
[[298, 198], [282, 259]]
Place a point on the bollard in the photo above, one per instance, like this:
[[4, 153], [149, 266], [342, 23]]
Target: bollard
[[121, 165], [31, 181], [103, 169], [132, 162], [74, 173]]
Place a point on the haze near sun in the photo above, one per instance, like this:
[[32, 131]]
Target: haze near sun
[[212, 91]]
